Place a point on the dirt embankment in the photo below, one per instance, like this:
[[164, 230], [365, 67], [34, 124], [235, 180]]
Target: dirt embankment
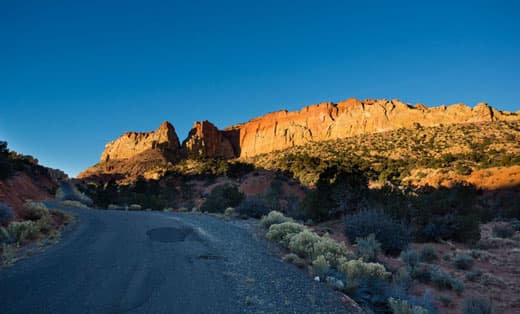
[[16, 190]]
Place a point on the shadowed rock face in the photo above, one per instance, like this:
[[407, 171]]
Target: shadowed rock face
[[284, 129], [205, 140]]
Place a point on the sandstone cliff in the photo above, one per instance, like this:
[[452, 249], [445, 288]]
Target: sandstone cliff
[[135, 153], [130, 144], [205, 140], [326, 121]]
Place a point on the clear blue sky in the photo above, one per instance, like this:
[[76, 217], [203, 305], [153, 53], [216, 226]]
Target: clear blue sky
[[76, 74]]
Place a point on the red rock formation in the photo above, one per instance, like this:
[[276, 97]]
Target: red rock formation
[[327, 121], [134, 153], [130, 144], [205, 140]]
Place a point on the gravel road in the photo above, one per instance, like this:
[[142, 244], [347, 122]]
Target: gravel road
[[154, 262]]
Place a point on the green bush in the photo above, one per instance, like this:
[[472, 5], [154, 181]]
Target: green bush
[[463, 261], [294, 259], [443, 280], [427, 254], [368, 248], [474, 275], [34, 211], [20, 231], [422, 273], [356, 271], [320, 266], [503, 230], [303, 243], [447, 213], [4, 235], [283, 233], [332, 250], [6, 214], [404, 307], [410, 258], [274, 217], [252, 207], [392, 235], [477, 305], [222, 197]]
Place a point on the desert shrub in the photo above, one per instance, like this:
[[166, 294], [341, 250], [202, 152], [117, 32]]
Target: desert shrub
[[222, 197], [74, 204], [294, 259], [20, 231], [392, 235], [34, 211], [320, 266], [338, 190], [444, 280], [404, 307], [463, 261], [410, 258], [447, 213], [332, 250], [116, 207], [489, 279], [230, 211], [303, 243], [474, 275], [402, 278], [422, 273], [283, 233], [477, 305], [4, 235], [274, 217], [45, 224], [6, 214], [357, 271], [446, 300], [135, 207], [503, 230], [253, 207], [368, 248], [427, 254], [73, 195]]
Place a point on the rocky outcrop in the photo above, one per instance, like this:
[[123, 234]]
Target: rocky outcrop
[[131, 144], [136, 154], [205, 140], [327, 121]]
